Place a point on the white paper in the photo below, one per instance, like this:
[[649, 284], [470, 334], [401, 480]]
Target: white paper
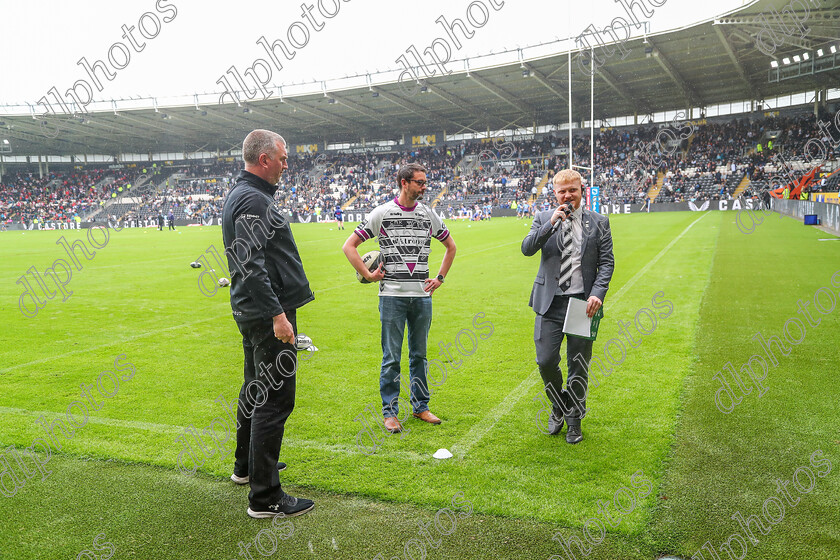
[[577, 323]]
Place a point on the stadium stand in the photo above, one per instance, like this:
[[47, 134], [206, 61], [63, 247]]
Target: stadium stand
[[722, 158]]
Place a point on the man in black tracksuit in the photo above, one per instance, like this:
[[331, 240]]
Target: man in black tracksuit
[[268, 284]]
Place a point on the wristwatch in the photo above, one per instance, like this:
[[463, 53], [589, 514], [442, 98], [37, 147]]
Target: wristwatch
[[440, 278]]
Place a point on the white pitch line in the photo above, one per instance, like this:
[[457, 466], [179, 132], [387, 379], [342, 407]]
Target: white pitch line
[[173, 429], [106, 345], [483, 426], [653, 261], [3, 279], [480, 429], [349, 449], [132, 264], [162, 428], [135, 337]]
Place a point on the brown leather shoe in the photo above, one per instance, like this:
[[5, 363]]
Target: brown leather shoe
[[427, 416], [393, 425]]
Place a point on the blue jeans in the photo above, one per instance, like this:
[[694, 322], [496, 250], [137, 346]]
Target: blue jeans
[[394, 313]]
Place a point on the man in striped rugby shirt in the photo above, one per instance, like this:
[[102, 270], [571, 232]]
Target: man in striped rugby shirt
[[404, 228]]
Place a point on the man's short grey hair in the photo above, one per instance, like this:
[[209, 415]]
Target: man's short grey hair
[[260, 142]]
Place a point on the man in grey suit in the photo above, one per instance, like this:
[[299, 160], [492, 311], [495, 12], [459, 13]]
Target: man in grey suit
[[576, 261]]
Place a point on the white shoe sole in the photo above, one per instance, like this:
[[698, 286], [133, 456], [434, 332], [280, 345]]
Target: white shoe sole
[[247, 479], [267, 514]]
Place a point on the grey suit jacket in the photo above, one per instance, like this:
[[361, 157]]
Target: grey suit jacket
[[596, 260]]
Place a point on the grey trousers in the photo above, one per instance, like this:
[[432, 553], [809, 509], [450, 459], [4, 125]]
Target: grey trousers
[[568, 402]]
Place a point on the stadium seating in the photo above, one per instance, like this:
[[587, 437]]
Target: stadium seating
[[719, 157]]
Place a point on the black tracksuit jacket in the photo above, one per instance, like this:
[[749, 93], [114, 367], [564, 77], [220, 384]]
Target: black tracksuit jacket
[[267, 276]]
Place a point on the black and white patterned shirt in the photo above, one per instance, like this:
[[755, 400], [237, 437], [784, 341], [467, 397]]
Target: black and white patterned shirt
[[404, 236]]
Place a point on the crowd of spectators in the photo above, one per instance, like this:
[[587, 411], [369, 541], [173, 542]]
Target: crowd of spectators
[[702, 162], [59, 196]]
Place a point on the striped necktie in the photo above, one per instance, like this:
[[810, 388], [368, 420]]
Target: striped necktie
[[566, 247]]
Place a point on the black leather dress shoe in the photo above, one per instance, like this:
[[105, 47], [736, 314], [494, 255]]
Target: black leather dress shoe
[[555, 424], [574, 435]]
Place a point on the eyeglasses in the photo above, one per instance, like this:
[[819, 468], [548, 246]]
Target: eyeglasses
[[421, 183]]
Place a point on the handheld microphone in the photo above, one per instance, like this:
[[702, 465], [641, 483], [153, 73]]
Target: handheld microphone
[[568, 209]]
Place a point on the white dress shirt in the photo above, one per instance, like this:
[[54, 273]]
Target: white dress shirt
[[576, 286]]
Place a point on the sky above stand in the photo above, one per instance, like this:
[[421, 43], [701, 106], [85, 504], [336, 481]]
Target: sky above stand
[[41, 41]]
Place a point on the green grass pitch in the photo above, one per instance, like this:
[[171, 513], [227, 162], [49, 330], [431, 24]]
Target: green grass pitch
[[656, 443]]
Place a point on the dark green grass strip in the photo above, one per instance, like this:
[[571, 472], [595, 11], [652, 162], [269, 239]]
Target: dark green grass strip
[[727, 463], [151, 513]]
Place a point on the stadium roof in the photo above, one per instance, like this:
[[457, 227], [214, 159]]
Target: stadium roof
[[712, 62]]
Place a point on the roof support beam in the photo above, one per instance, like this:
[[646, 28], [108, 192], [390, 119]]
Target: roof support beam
[[632, 101], [236, 126], [543, 79], [516, 122], [754, 94], [104, 129], [335, 119], [561, 66], [468, 127], [24, 135], [444, 123], [687, 91], [479, 114], [528, 111], [148, 123], [266, 113], [356, 107]]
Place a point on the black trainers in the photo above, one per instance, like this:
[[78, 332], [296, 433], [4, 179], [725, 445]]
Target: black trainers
[[574, 435], [555, 424], [288, 506], [246, 479]]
